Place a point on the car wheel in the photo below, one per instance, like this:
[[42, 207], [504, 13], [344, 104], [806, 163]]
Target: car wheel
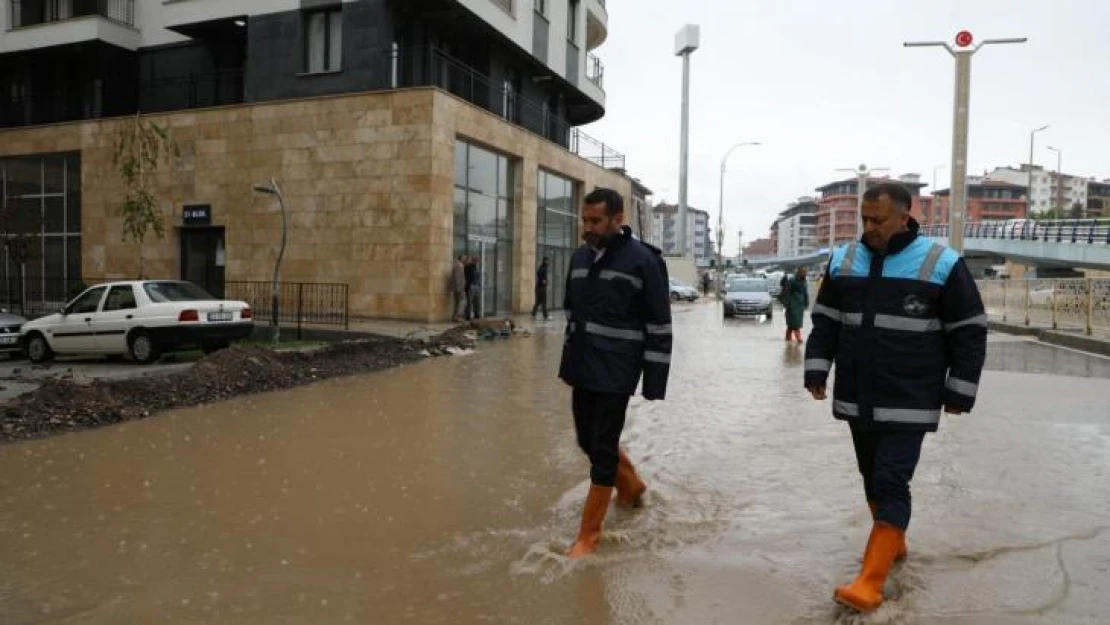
[[212, 348], [38, 350], [142, 347], [674, 297]]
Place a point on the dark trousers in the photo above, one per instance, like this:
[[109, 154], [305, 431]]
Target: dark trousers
[[598, 421], [541, 301], [887, 461]]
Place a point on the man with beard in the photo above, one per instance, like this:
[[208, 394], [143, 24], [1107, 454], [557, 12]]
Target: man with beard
[[618, 328], [902, 319]]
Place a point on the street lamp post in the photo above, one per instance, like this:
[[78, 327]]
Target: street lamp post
[[1059, 181], [958, 193], [1029, 190], [275, 318], [721, 214], [862, 175], [686, 41]]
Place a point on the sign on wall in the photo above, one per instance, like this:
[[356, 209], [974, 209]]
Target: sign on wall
[[196, 214]]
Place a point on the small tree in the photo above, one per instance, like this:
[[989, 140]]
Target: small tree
[[1076, 211], [21, 232], [140, 147]]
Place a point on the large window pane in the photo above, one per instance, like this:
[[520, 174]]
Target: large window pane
[[54, 215], [53, 258], [483, 215], [26, 217], [73, 212], [73, 258], [483, 172], [53, 174], [335, 41], [73, 172], [23, 176], [460, 164]]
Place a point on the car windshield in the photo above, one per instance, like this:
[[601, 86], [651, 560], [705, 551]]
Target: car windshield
[[163, 292], [746, 286]]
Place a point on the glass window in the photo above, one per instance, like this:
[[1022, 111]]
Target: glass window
[[323, 41], [54, 215], [483, 170], [87, 302], [162, 292], [120, 298]]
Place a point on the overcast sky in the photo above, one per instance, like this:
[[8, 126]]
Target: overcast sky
[[827, 84]]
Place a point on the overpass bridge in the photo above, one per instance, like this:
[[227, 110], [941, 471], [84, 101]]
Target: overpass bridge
[[1067, 243]]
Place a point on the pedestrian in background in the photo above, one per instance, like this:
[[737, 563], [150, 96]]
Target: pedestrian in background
[[902, 319], [795, 299], [458, 286], [618, 328], [473, 275], [541, 288]]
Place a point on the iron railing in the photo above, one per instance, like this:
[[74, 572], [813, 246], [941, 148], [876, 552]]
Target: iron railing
[[1061, 304], [1089, 231], [35, 296], [192, 91], [595, 70], [299, 303], [428, 66], [33, 12]]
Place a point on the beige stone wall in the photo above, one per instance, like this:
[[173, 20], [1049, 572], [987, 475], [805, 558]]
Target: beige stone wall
[[367, 179]]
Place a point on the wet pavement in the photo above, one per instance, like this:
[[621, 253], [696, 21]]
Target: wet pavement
[[445, 492]]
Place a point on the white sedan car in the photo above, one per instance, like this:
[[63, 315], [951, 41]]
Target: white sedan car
[[141, 319]]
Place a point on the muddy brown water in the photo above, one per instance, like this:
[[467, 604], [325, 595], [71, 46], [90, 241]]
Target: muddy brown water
[[444, 492]]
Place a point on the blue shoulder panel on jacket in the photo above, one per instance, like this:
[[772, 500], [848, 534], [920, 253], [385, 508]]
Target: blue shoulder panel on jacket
[[860, 261], [923, 255], [945, 266]]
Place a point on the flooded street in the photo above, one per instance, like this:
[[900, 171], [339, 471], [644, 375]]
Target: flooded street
[[445, 492]]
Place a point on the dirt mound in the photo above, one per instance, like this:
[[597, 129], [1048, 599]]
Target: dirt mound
[[62, 405]]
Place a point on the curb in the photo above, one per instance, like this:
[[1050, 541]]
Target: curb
[[1080, 342]]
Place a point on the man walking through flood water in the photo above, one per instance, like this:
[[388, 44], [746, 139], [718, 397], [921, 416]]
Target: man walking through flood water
[[618, 328], [902, 319]]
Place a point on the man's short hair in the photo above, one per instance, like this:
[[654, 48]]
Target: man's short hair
[[899, 195], [613, 201]]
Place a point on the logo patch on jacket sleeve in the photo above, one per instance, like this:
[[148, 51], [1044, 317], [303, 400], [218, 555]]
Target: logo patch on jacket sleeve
[[915, 306]]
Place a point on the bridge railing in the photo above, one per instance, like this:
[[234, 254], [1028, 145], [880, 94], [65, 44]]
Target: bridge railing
[[1081, 304], [1080, 231]]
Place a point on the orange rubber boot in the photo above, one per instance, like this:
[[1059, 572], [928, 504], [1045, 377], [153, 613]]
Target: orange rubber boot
[[865, 594], [903, 551], [630, 488], [589, 534]]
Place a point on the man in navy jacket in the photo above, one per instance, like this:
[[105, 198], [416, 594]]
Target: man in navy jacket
[[618, 328], [901, 318]]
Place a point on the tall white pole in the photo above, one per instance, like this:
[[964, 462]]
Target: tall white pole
[[684, 155], [721, 214], [958, 192]]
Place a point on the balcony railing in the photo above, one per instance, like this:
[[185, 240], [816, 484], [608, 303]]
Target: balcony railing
[[32, 12], [428, 66], [595, 70]]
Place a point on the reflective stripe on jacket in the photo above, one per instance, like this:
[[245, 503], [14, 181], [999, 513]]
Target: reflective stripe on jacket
[[619, 319], [905, 331]]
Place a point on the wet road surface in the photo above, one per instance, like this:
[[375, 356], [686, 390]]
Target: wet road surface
[[445, 492]]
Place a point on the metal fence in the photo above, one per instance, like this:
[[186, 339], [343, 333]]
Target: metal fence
[[1089, 231], [429, 66], [36, 297], [299, 303], [1081, 304], [32, 12]]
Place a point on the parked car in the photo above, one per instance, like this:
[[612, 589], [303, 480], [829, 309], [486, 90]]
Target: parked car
[[748, 297], [10, 325], [681, 291], [140, 319]]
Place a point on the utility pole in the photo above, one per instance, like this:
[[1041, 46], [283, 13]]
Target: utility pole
[[721, 214], [1059, 181], [958, 192]]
